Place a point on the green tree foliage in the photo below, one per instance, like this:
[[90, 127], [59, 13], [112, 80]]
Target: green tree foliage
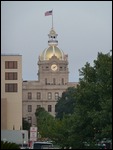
[[92, 115], [49, 127], [26, 124], [66, 103], [45, 122], [60, 130], [9, 145]]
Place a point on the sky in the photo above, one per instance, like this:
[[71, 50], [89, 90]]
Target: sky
[[84, 28]]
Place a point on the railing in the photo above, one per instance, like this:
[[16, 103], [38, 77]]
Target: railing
[[53, 41]]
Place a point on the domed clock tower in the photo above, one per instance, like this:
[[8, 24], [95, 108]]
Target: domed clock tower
[[53, 63], [52, 81]]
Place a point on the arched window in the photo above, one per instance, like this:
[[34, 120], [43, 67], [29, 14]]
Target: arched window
[[49, 95], [56, 95]]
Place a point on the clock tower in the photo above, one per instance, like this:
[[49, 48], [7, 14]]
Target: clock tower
[[53, 63], [52, 80]]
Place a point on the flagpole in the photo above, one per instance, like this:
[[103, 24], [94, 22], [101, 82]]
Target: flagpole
[[52, 18]]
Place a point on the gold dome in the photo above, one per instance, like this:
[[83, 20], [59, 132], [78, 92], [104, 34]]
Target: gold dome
[[52, 51]]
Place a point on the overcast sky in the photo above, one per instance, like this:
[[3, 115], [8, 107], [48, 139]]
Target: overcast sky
[[84, 29]]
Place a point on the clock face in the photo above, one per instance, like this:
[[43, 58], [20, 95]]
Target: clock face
[[54, 67]]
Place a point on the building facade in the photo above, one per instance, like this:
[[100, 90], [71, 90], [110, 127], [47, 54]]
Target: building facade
[[11, 92], [53, 80]]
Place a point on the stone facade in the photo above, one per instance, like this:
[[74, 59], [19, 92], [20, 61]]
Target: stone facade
[[53, 74]]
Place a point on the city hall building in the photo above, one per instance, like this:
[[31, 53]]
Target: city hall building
[[53, 80]]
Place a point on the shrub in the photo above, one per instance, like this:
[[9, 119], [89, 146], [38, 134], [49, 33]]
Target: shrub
[[9, 145]]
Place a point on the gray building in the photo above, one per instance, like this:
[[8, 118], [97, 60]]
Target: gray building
[[53, 80]]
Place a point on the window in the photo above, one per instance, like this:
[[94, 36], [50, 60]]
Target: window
[[46, 81], [49, 95], [63, 81], [38, 106], [60, 68], [29, 108], [11, 76], [11, 87], [29, 95], [10, 64], [54, 81], [56, 95], [38, 95], [49, 108]]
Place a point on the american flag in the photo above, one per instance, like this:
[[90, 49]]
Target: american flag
[[47, 13]]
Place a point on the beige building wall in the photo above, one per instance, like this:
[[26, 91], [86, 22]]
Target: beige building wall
[[3, 113], [14, 99], [34, 87]]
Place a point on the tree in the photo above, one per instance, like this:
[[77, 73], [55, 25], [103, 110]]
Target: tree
[[92, 114], [45, 121], [66, 103], [54, 129], [26, 124], [9, 145], [90, 119]]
